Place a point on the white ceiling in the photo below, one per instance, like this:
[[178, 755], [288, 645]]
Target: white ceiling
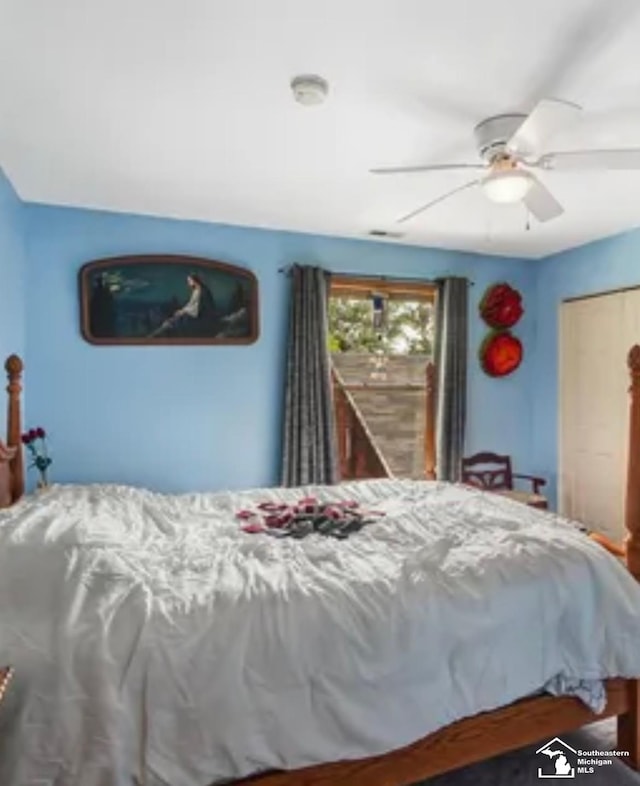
[[182, 108]]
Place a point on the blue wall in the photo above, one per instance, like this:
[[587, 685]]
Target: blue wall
[[210, 417], [597, 267], [13, 271]]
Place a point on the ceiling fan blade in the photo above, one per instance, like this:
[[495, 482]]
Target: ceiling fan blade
[[580, 43], [398, 170], [547, 118], [592, 159], [433, 202], [541, 202]]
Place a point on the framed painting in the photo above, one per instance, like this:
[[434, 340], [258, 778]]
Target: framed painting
[[167, 300]]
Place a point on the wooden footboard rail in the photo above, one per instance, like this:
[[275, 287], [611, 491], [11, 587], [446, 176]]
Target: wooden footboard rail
[[464, 742], [516, 725]]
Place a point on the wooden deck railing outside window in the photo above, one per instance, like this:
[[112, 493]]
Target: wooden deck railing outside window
[[358, 453], [359, 456]]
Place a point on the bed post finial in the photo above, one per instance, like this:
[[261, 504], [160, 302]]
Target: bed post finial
[[632, 512], [14, 367]]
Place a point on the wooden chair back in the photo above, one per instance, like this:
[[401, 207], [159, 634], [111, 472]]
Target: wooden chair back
[[489, 471]]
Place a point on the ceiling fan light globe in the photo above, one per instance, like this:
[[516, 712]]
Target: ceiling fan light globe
[[507, 187]]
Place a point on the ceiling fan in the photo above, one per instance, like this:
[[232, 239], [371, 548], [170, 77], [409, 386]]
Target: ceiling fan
[[512, 145]]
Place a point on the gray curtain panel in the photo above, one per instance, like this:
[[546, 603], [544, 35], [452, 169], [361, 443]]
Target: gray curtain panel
[[452, 319], [309, 450]]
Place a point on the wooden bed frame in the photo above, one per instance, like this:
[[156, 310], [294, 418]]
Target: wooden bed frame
[[11, 458], [471, 739]]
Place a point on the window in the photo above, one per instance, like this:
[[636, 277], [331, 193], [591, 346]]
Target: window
[[381, 336]]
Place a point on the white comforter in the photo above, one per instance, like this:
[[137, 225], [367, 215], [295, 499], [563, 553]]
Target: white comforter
[[156, 642]]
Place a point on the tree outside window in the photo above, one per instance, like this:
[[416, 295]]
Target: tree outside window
[[408, 328]]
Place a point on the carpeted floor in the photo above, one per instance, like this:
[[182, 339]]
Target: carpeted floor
[[520, 768]]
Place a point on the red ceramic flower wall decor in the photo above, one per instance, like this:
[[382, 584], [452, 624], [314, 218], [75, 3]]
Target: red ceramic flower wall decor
[[500, 354], [501, 306]]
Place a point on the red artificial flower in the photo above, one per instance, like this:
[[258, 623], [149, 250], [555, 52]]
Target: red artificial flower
[[500, 354], [33, 434], [501, 306], [275, 520], [25, 439], [253, 528], [272, 507], [40, 432]]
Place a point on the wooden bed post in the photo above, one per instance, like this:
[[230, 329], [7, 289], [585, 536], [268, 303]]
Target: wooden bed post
[[14, 368], [430, 423], [632, 509], [629, 723]]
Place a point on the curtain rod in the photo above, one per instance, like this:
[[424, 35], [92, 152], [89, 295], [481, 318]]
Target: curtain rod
[[286, 270]]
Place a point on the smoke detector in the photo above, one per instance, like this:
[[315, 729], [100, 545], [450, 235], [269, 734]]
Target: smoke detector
[[309, 90]]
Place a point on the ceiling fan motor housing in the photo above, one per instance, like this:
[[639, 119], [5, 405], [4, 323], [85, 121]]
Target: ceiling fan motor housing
[[493, 134]]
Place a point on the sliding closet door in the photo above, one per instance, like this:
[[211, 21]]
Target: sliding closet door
[[595, 337]]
